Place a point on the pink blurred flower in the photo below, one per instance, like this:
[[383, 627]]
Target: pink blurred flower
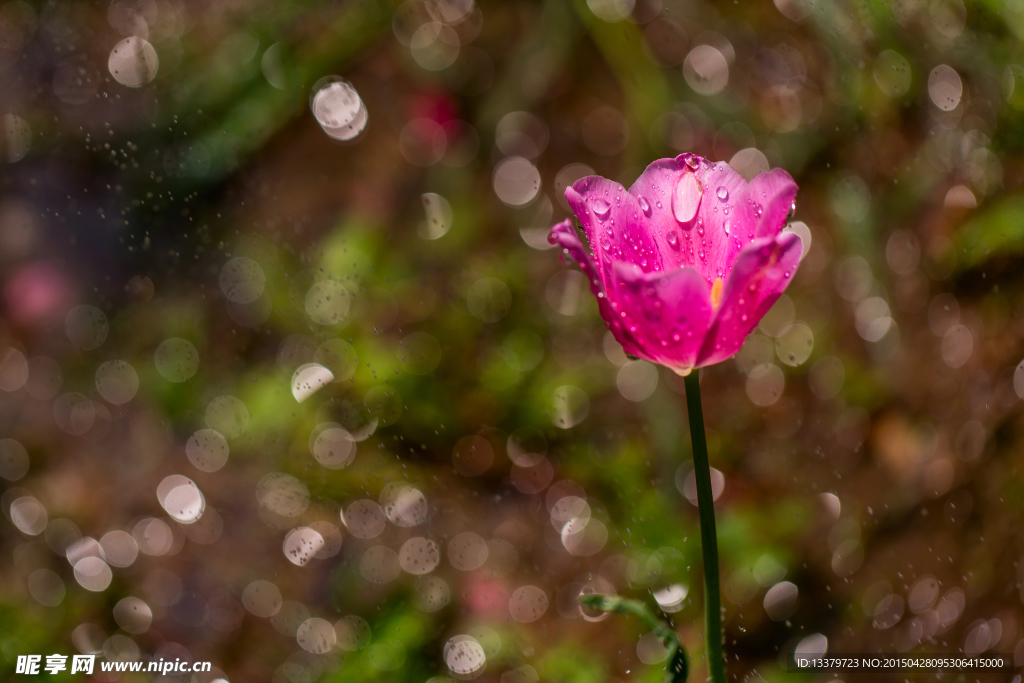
[[37, 293], [436, 106], [686, 262], [486, 598]]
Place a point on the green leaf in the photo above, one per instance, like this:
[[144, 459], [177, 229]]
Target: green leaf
[[995, 231], [678, 667]]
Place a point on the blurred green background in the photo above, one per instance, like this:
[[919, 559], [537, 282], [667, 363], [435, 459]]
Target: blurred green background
[[291, 381]]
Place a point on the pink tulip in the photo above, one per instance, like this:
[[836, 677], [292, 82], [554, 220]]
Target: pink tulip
[[686, 262]]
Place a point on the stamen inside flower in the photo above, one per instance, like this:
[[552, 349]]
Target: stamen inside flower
[[716, 293]]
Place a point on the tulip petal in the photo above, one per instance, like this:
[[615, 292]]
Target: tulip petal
[[772, 195], [666, 313], [727, 217], [760, 274], [655, 192], [610, 216], [564, 235]]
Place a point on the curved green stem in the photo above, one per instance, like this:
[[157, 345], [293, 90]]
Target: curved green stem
[[677, 668], [708, 539]]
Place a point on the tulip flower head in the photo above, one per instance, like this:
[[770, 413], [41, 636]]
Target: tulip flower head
[[687, 262]]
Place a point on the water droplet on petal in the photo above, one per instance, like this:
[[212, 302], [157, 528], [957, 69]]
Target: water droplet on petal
[[601, 208], [644, 206], [723, 193], [673, 239], [686, 198], [727, 226]]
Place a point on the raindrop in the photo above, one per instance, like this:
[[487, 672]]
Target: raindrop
[[14, 460], [316, 635], [301, 545], [465, 657], [637, 380], [227, 415], [781, 600], [309, 379], [945, 87], [290, 617], [181, 498], [117, 381], [516, 181], [93, 574], [650, 649], [133, 62], [472, 456], [431, 594], [438, 217], [242, 280], [670, 599], [17, 138], [338, 109], [119, 548], [44, 378], [46, 587], [686, 198], [327, 302], [333, 446], [74, 413], [133, 615], [28, 515], [435, 46], [364, 519], [520, 133], [86, 327], [644, 205], [570, 406], [176, 359], [14, 369], [404, 505], [528, 603], [208, 450], [467, 551], [706, 70], [380, 564], [686, 482], [337, 356], [352, 632], [812, 647], [262, 598], [419, 556]]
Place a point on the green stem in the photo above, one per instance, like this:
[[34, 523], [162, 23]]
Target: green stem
[[708, 540], [678, 667]]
